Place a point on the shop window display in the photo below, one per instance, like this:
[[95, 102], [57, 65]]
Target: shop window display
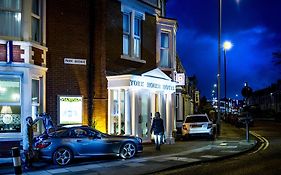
[[10, 108]]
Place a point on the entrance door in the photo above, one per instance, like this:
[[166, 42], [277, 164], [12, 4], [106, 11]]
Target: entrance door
[[144, 118]]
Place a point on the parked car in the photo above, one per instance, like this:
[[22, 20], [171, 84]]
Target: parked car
[[198, 124], [66, 143]]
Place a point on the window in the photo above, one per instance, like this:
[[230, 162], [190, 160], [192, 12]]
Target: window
[[164, 51], [126, 33], [10, 107], [137, 28], [131, 35], [35, 97], [10, 17], [36, 21]]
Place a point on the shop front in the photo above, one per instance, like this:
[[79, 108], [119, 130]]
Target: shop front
[[22, 88], [134, 99]]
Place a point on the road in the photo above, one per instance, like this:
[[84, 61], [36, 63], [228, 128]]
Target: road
[[265, 160]]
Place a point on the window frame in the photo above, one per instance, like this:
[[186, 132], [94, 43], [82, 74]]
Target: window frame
[[127, 33], [134, 42], [13, 104], [14, 11], [37, 17], [163, 48]]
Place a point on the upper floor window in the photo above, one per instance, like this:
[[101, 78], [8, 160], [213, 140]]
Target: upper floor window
[[36, 21], [126, 33], [10, 17], [131, 35], [164, 51]]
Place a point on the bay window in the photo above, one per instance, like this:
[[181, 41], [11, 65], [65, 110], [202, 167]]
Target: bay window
[[10, 17], [164, 51], [10, 104]]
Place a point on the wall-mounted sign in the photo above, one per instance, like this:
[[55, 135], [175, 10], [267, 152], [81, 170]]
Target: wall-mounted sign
[[160, 85], [75, 61], [70, 109], [180, 78]]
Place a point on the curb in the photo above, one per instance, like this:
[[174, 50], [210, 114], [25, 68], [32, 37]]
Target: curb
[[184, 165]]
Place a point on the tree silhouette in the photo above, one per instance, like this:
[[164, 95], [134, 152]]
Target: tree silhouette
[[277, 58]]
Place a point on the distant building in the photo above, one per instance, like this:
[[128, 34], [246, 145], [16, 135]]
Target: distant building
[[268, 98], [184, 97]]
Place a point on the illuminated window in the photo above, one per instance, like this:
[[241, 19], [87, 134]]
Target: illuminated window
[[10, 104], [126, 33], [164, 51], [10, 17], [132, 35], [137, 39]]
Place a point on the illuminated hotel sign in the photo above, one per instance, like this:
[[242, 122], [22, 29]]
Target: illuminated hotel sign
[[152, 85], [70, 109]]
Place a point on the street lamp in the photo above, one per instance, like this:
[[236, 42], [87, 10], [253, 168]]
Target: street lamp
[[227, 45], [219, 65]]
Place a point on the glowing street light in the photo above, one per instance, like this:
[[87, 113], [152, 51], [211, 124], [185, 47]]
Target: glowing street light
[[227, 45]]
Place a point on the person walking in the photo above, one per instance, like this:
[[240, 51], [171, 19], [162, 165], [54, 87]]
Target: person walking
[[28, 146], [157, 128]]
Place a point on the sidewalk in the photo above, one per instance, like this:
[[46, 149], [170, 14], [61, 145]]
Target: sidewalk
[[231, 142]]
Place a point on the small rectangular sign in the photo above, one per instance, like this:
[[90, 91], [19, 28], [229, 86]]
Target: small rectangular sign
[[70, 109], [180, 78], [75, 61]]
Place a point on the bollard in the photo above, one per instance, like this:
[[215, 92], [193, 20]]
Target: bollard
[[16, 160]]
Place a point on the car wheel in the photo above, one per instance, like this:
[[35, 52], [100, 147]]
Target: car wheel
[[128, 150], [62, 156]]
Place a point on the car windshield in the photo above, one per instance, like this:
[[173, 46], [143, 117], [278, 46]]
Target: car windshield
[[195, 119]]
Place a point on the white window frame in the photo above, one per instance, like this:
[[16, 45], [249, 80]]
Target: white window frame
[[37, 17], [133, 15], [165, 49], [14, 11], [20, 95]]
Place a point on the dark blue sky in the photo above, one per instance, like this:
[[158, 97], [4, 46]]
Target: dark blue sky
[[253, 26]]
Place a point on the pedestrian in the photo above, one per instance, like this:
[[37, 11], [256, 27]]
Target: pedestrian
[[28, 147], [157, 128], [47, 122]]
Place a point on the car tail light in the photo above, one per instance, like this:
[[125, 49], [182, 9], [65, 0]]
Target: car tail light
[[184, 127], [210, 125], [42, 145]]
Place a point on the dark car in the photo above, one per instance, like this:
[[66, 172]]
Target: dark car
[[71, 142]]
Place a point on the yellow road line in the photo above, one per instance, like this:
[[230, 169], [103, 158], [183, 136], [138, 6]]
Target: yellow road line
[[264, 142]]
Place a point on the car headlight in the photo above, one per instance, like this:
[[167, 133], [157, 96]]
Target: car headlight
[[139, 139]]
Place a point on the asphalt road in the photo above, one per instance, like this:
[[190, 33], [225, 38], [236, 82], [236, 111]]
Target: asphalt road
[[264, 160]]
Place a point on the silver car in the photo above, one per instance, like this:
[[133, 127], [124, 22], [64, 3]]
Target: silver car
[[197, 124], [67, 143]]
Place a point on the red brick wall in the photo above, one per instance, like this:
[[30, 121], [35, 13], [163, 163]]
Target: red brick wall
[[114, 45], [16, 53], [37, 57], [67, 36], [3, 52]]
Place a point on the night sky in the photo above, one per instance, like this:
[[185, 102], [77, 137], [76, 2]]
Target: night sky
[[253, 26]]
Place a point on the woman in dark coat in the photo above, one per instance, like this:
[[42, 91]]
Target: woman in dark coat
[[157, 128]]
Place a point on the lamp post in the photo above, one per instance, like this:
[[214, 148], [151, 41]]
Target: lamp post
[[227, 45], [219, 65]]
